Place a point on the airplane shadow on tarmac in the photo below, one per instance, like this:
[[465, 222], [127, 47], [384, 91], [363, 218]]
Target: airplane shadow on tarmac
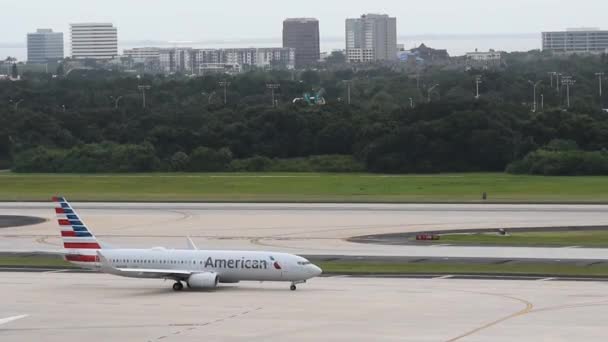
[[221, 289]]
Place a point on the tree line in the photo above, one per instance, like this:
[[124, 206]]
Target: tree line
[[397, 121]]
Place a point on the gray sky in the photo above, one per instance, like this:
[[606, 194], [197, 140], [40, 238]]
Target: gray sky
[[232, 19]]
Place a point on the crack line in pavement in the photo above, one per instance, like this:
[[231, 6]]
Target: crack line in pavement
[[192, 327]]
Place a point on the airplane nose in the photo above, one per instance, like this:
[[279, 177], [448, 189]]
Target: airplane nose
[[317, 271]]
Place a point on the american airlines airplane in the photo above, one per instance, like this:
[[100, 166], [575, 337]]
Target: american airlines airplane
[[199, 269]]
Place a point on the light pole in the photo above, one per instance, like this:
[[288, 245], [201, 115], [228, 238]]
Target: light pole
[[477, 83], [542, 102], [143, 89], [348, 85], [411, 102], [273, 87], [557, 86], [568, 81], [16, 104], [534, 85], [600, 76], [225, 84], [430, 91], [116, 101], [551, 74], [209, 96]]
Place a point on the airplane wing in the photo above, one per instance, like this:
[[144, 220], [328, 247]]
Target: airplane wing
[[153, 273], [143, 272], [191, 244]]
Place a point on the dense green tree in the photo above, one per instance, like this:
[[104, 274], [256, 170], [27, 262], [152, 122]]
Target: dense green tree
[[210, 160], [73, 124]]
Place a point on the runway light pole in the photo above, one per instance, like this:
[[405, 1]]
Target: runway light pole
[[273, 87], [225, 85], [600, 76], [16, 104], [568, 82], [551, 74], [116, 101], [430, 91], [143, 89], [348, 91], [542, 102], [534, 86], [477, 83]]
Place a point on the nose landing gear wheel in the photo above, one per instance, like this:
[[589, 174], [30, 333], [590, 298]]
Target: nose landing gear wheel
[[178, 286], [293, 287]]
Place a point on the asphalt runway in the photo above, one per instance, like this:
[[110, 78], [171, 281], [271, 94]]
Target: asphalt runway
[[307, 229], [96, 307]]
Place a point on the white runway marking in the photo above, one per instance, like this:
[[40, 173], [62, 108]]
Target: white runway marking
[[56, 271], [445, 277], [11, 319]]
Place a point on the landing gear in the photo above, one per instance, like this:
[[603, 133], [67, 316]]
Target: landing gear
[[178, 286], [293, 285]]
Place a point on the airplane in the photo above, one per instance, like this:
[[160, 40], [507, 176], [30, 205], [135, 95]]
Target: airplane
[[198, 269]]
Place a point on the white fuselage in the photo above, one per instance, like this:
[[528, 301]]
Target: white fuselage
[[230, 266]]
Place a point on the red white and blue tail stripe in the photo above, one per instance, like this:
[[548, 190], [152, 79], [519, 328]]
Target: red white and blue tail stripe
[[78, 240]]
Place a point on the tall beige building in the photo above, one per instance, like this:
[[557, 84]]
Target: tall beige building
[[373, 37]]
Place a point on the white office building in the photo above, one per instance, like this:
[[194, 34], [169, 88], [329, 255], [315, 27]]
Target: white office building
[[142, 55], [94, 41], [202, 61], [578, 40], [482, 56], [373, 37]]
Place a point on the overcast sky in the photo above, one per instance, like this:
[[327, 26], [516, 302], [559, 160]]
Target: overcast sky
[[201, 20]]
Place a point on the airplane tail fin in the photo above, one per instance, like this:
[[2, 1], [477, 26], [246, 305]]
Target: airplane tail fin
[[79, 242]]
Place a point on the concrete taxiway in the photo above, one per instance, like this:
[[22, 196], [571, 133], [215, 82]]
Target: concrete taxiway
[[308, 229], [96, 307]]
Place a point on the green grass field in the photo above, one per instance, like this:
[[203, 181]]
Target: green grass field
[[430, 268], [305, 187], [569, 238], [354, 268], [33, 261]]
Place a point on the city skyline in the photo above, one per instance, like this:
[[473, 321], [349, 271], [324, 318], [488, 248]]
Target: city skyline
[[195, 21]]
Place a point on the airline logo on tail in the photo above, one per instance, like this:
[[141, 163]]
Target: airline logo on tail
[[77, 238]]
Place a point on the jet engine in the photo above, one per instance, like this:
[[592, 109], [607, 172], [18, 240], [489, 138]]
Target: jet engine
[[204, 280]]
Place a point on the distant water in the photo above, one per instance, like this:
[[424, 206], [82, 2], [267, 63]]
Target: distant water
[[457, 45]]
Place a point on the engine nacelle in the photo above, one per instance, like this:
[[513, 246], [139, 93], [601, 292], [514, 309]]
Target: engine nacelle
[[204, 280]]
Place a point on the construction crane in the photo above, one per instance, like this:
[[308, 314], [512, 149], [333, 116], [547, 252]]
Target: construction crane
[[312, 99]]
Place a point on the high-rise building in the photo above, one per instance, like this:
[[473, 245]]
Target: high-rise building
[[142, 55], [44, 46], [199, 61], [94, 41], [302, 34], [373, 37], [177, 60], [581, 40]]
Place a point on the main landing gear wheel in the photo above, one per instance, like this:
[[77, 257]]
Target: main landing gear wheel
[[293, 287], [178, 286]]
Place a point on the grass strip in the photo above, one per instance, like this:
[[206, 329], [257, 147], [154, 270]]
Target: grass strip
[[355, 268], [529, 239], [33, 261], [599, 270], [304, 187]]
